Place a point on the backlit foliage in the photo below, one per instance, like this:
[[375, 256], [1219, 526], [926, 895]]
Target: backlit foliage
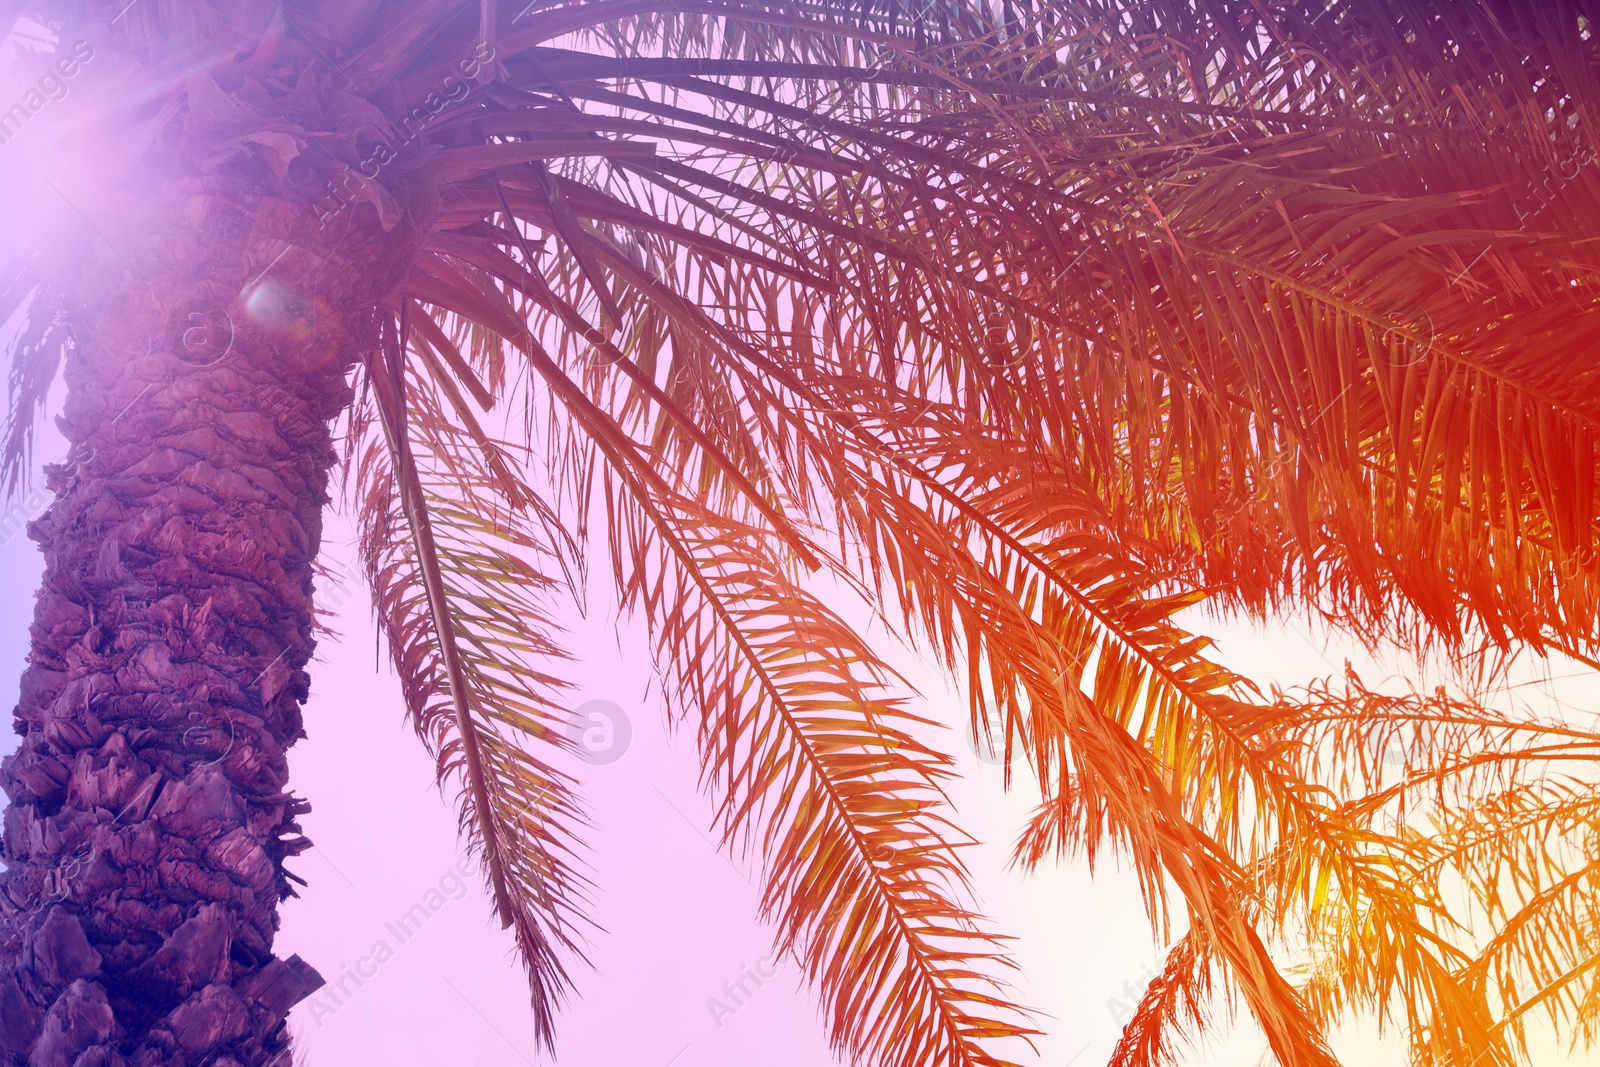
[[1034, 328]]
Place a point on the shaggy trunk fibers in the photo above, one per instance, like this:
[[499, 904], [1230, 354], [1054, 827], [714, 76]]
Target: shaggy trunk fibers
[[150, 815]]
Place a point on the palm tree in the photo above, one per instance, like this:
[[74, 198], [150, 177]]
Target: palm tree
[[1033, 327], [251, 205]]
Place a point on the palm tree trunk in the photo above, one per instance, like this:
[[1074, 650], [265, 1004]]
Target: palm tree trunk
[[150, 817]]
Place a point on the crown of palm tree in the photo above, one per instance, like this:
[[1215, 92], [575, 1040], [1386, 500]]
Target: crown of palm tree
[[1035, 328]]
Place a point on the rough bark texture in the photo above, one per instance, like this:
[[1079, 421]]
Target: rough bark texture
[[150, 817]]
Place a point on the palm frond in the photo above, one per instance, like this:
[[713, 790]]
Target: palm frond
[[460, 602], [1174, 1002], [35, 354], [817, 766]]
